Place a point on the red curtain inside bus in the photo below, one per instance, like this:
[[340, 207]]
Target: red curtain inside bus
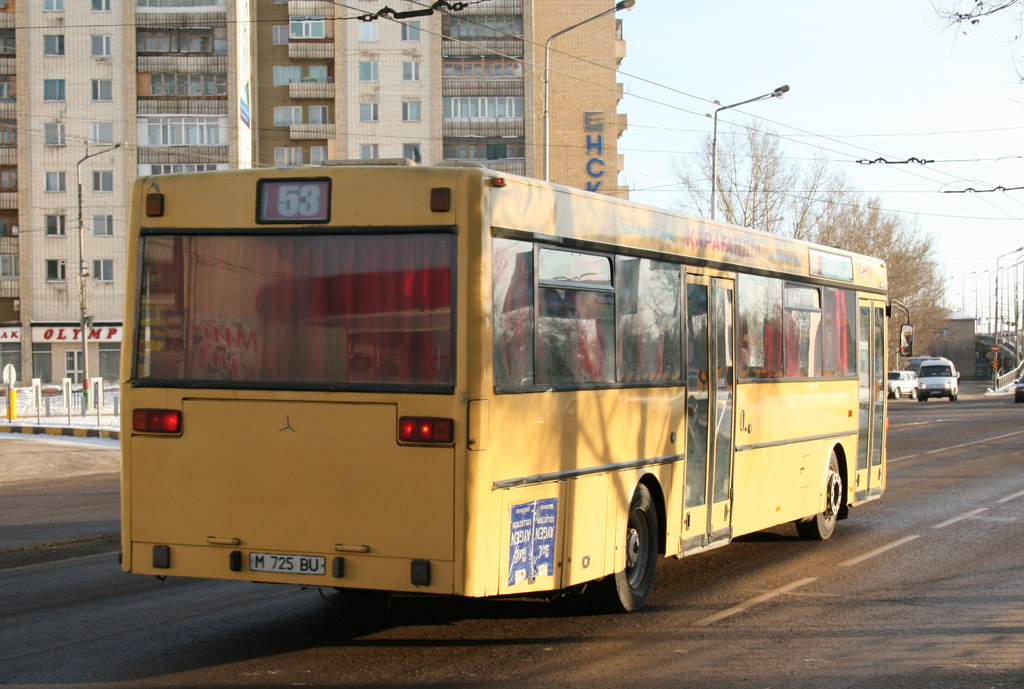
[[301, 309]]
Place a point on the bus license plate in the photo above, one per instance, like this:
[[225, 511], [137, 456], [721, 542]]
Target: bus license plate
[[287, 564]]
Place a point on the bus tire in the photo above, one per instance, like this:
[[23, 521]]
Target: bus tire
[[629, 589], [820, 526]]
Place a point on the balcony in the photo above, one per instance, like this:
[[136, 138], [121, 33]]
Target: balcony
[[311, 8], [8, 155], [311, 89], [182, 64], [509, 47], [306, 132], [308, 50], [8, 200]]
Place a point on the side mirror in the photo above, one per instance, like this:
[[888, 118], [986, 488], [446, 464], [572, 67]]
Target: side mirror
[[906, 340]]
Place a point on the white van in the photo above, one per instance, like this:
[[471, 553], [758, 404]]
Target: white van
[[938, 378]]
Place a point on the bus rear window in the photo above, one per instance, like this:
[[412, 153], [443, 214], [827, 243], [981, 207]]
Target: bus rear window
[[309, 310]]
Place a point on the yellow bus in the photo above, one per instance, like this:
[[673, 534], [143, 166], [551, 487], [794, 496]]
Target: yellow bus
[[449, 380]]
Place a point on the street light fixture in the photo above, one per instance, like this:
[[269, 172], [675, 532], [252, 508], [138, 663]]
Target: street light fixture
[[83, 271], [777, 93], [963, 293], [621, 5]]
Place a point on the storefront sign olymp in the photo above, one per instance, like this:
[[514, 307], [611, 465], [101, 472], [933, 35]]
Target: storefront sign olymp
[[73, 333]]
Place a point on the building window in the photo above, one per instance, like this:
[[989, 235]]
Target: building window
[[367, 32], [55, 225], [103, 225], [8, 45], [316, 73], [286, 115], [481, 67], [53, 89], [484, 26], [8, 265], [287, 155], [490, 108], [306, 27], [8, 132], [411, 31], [10, 353], [193, 84], [110, 360], [101, 46], [472, 148], [54, 181], [182, 131], [181, 3], [102, 133], [411, 152], [53, 134], [100, 5], [102, 90], [177, 168], [284, 75], [8, 223], [53, 45], [103, 270], [317, 154], [368, 151], [209, 41], [367, 112], [42, 362], [7, 82], [410, 71], [103, 180], [368, 71], [318, 114], [280, 34], [411, 111], [53, 5], [8, 178], [56, 270]]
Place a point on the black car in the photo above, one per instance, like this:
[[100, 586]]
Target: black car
[[1018, 390]]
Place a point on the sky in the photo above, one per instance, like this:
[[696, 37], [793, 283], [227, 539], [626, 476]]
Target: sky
[[870, 79]]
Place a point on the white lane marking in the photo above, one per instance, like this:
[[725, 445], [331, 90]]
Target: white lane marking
[[1008, 498], [974, 442], [50, 563], [954, 520], [877, 551], [752, 602], [955, 447]]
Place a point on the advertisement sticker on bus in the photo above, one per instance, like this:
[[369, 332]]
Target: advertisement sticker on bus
[[531, 542]]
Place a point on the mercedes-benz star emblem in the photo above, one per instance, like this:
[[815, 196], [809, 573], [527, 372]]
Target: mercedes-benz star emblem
[[287, 426]]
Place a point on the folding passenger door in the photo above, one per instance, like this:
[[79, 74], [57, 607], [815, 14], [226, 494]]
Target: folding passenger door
[[707, 499]]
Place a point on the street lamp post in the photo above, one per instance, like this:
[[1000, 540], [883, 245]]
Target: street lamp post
[[998, 324], [976, 306], [621, 5], [963, 292], [83, 271], [777, 93]]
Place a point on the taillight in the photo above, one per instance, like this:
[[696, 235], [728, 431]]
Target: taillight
[[156, 421], [415, 429]]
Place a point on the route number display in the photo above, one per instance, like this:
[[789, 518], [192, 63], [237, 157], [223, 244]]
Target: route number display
[[293, 201]]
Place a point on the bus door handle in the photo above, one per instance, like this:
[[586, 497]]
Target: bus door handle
[[744, 426], [213, 540]]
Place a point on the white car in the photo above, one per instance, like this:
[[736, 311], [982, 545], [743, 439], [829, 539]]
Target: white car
[[902, 383], [938, 378]]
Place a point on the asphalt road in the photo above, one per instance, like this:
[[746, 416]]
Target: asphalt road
[[923, 588]]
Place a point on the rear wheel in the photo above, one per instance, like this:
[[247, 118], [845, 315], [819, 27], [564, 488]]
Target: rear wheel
[[913, 393], [629, 589], [820, 526]]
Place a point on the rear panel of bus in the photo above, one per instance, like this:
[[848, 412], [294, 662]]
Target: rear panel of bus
[[290, 379]]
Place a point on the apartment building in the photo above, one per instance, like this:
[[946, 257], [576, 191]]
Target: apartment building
[[96, 92]]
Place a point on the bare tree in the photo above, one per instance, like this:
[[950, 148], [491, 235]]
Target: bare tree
[[967, 13], [759, 188]]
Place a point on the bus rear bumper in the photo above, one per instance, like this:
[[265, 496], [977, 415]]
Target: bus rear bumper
[[361, 571]]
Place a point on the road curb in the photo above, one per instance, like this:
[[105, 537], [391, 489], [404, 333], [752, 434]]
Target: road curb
[[74, 432]]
